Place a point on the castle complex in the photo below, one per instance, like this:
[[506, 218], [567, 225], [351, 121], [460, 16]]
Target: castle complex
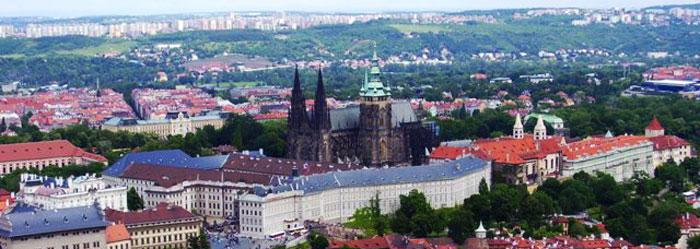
[[377, 132]]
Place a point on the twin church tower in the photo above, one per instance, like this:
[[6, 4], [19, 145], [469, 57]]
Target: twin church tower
[[377, 132]]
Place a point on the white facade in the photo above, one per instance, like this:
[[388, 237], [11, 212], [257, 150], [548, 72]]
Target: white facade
[[212, 199], [165, 127], [276, 213], [621, 162], [80, 191], [677, 154]]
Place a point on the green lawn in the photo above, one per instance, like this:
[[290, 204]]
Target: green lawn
[[421, 28], [110, 46]]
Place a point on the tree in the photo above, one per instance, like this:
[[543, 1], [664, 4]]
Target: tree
[[692, 167], [3, 125], [694, 242], [480, 206], [415, 216], [461, 225], [551, 187], [483, 187], [203, 241], [673, 175], [576, 229], [317, 240], [193, 242], [133, 200], [378, 220], [607, 191], [575, 196], [536, 207]]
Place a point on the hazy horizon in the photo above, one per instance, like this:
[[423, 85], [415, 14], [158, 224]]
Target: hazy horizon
[[79, 8]]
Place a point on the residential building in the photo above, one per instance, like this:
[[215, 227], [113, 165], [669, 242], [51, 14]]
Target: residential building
[[55, 108], [174, 123], [163, 226], [117, 237], [52, 193], [73, 228], [333, 197], [159, 103], [690, 227], [667, 147], [620, 157], [43, 154]]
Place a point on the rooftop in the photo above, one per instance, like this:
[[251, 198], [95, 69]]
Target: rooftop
[[384, 176], [116, 233], [162, 212], [172, 158], [43, 150], [165, 176], [600, 145], [655, 125], [667, 142], [33, 222]]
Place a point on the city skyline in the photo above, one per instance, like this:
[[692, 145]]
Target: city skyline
[[79, 8]]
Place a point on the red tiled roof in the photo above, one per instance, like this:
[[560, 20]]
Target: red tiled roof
[[598, 145], [167, 176], [43, 150], [593, 244], [654, 125], [601, 228], [517, 151], [688, 221], [280, 166], [162, 212], [116, 233], [667, 142], [373, 243], [449, 153]]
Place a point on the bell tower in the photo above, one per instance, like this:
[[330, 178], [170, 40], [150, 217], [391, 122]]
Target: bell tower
[[375, 117], [518, 128]]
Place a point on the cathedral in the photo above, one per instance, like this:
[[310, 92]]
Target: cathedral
[[377, 132]]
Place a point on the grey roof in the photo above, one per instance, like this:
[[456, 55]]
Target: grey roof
[[36, 222], [349, 117], [173, 158], [384, 176]]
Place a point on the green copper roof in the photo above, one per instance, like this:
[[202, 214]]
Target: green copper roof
[[373, 86], [548, 118]]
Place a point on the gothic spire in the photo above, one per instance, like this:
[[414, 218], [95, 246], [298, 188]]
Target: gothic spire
[[297, 115], [321, 113]]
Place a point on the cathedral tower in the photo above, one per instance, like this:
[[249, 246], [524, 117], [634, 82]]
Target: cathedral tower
[[322, 123], [297, 122], [375, 118]]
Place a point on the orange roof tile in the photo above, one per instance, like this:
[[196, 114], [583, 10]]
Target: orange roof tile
[[116, 233], [654, 125]]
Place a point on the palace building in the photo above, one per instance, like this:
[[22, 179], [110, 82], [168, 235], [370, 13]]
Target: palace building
[[43, 154], [378, 132], [333, 197]]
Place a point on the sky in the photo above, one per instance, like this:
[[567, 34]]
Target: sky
[[76, 8]]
